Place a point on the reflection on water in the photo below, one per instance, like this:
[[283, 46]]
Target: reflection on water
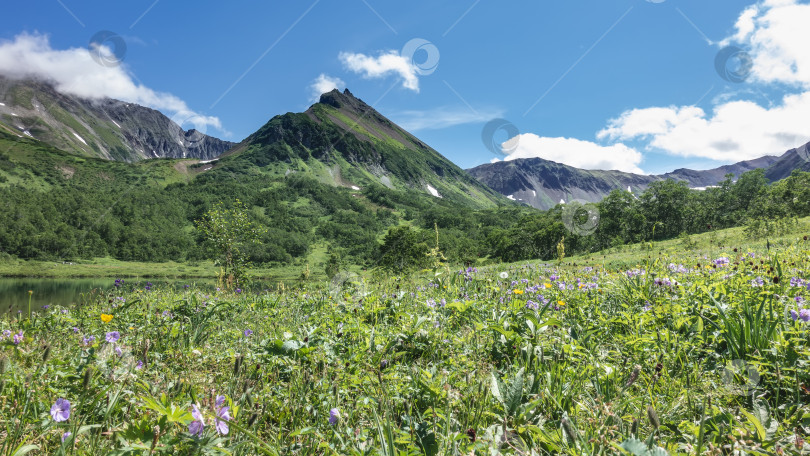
[[66, 292]]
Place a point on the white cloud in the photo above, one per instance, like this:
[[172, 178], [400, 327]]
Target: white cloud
[[324, 84], [443, 117], [775, 33], [574, 152], [73, 71], [385, 64]]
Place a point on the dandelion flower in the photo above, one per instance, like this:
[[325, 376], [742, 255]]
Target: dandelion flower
[[106, 318]]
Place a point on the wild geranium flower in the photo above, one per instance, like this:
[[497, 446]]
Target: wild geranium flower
[[139, 366], [248, 332], [223, 416], [532, 305], [113, 336], [804, 315], [118, 351], [196, 426], [60, 410], [66, 436], [794, 315], [6, 334], [334, 416], [18, 337], [106, 318]]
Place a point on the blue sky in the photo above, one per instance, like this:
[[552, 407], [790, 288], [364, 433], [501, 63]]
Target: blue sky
[[626, 84]]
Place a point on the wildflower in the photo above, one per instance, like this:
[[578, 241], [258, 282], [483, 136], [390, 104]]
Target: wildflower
[[222, 420], [6, 333], [106, 318], [118, 351], [139, 366], [75, 329], [18, 337], [758, 282], [66, 435], [88, 340], [547, 285], [220, 400], [238, 290], [60, 411], [46, 307], [794, 315], [196, 426], [560, 303], [112, 337], [517, 292], [804, 315], [532, 305], [334, 416], [503, 275], [248, 332]]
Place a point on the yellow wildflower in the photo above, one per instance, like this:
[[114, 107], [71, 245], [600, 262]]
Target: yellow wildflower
[[560, 303], [547, 285], [106, 318], [518, 291]]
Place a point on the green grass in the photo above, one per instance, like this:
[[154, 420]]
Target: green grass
[[672, 360]]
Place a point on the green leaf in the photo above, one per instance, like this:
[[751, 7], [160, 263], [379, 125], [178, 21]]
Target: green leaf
[[25, 450]]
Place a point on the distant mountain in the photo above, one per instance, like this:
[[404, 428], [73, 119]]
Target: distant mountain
[[543, 184], [103, 128], [344, 142]]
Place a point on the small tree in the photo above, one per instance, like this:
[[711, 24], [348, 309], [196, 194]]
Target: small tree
[[228, 231]]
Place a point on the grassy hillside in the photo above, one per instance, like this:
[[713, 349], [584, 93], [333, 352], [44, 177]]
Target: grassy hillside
[[683, 353]]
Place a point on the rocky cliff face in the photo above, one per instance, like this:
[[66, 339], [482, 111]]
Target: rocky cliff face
[[104, 128]]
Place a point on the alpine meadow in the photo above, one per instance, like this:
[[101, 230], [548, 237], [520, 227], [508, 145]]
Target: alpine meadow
[[528, 229]]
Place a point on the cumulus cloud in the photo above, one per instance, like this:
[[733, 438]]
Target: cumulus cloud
[[385, 64], [73, 71], [324, 84], [775, 34], [442, 117], [574, 152]]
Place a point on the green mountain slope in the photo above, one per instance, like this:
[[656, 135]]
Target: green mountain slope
[[341, 141]]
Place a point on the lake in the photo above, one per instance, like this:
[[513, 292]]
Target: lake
[[66, 292]]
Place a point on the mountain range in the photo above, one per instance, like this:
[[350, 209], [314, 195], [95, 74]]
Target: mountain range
[[544, 184], [103, 128], [341, 141]]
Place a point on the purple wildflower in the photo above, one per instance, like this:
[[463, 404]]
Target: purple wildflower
[[18, 337], [60, 411], [804, 315], [113, 336], [139, 366], [532, 305], [794, 315], [196, 426], [334, 416], [118, 351], [222, 420], [66, 436], [88, 340], [248, 332]]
